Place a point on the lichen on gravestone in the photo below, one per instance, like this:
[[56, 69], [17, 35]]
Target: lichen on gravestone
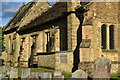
[[102, 67], [25, 72], [80, 74]]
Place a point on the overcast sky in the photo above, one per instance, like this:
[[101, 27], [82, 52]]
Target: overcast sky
[[8, 9]]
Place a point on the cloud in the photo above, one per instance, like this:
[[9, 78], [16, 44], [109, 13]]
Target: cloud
[[9, 9], [16, 0]]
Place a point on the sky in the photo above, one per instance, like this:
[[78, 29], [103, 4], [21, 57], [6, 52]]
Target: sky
[[8, 9]]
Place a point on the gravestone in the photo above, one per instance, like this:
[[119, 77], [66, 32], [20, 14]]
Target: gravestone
[[80, 74], [39, 74], [58, 75], [101, 69], [6, 72], [25, 73], [13, 73], [33, 76], [46, 76], [57, 72]]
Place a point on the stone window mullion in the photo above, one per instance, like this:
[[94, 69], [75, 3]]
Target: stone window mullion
[[108, 36]]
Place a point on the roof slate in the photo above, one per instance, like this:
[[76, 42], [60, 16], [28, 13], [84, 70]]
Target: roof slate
[[54, 12]]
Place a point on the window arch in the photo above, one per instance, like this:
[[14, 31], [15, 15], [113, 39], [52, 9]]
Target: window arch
[[103, 36], [111, 38]]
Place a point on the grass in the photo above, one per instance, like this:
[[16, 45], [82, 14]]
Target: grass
[[42, 69], [115, 75], [19, 72], [32, 71], [66, 75]]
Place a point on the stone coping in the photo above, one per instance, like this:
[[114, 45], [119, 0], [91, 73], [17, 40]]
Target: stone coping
[[54, 52]]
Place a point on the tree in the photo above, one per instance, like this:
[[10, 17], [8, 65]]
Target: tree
[[2, 47]]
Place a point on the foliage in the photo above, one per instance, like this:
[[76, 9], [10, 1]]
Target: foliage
[[2, 47]]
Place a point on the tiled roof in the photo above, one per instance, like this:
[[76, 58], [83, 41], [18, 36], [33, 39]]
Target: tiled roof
[[56, 11]]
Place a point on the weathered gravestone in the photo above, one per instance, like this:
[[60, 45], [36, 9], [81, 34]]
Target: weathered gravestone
[[33, 76], [101, 69], [13, 73], [46, 76], [58, 75], [80, 74], [25, 73], [6, 72]]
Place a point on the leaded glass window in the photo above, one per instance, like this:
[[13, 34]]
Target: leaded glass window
[[111, 38], [103, 36]]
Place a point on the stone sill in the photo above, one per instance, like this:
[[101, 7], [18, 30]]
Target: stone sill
[[107, 50]]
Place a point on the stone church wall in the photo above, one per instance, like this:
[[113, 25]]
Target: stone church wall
[[59, 60]]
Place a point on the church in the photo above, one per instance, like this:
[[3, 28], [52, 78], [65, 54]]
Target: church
[[41, 35]]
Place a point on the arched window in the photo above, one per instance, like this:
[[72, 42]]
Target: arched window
[[103, 36], [107, 37], [111, 38]]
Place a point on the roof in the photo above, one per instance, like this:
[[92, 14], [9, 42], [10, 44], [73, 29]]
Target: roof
[[56, 11], [34, 12], [18, 16]]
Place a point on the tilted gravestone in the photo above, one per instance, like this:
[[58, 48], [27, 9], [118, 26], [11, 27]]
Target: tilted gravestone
[[25, 73], [33, 76], [57, 72], [13, 73], [46, 76], [6, 72], [39, 74], [80, 74], [58, 75], [101, 69]]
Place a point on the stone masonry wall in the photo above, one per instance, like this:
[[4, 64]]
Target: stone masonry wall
[[64, 63], [72, 26], [59, 60], [46, 61]]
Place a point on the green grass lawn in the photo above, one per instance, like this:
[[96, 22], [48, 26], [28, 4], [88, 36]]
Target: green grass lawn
[[66, 75], [115, 75], [19, 72], [41, 69]]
